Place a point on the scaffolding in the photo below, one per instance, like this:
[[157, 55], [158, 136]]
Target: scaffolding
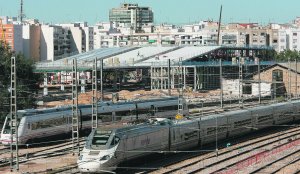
[[14, 151]]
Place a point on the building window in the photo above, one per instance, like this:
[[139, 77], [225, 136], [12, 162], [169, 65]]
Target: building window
[[294, 34], [277, 75]]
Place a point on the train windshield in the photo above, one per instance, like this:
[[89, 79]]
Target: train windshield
[[6, 129], [100, 139]]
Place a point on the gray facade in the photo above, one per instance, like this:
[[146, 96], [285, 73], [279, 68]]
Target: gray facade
[[131, 15]]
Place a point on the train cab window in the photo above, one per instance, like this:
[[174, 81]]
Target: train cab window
[[100, 140], [115, 141]]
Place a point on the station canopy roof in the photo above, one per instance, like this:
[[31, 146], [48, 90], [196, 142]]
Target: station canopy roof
[[129, 57]]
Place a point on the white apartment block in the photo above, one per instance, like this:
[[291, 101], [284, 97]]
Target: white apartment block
[[289, 39], [55, 42], [82, 37]]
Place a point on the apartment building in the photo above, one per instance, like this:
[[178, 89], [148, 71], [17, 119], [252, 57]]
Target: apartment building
[[82, 37], [11, 34], [31, 41], [55, 42], [132, 16], [289, 39]]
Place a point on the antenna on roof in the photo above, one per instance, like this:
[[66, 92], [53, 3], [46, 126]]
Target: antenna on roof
[[219, 27], [21, 14]]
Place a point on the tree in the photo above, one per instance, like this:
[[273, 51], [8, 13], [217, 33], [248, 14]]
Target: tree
[[27, 85], [287, 54]]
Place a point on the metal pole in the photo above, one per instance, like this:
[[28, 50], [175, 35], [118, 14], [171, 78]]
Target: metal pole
[[75, 117], [240, 83], [101, 80], [14, 149], [290, 92], [296, 74], [221, 85], [169, 76], [259, 83], [161, 78], [216, 136], [180, 87], [195, 78], [94, 97], [184, 77]]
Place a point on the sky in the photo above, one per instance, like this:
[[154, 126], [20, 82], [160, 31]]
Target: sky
[[165, 11]]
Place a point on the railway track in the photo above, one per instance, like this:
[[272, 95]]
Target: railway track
[[4, 150], [229, 157], [30, 154], [291, 164]]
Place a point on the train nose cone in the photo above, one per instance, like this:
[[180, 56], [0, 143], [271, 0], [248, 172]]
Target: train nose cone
[[86, 166], [93, 167]]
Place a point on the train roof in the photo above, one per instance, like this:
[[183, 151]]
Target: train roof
[[31, 112], [144, 127]]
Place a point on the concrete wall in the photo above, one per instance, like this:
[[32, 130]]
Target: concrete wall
[[35, 42], [18, 39], [231, 87], [31, 42], [47, 43], [76, 39], [265, 89]]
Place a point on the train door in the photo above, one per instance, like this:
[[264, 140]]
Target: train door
[[200, 134]]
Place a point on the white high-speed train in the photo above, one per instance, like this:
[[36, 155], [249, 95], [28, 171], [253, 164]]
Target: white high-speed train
[[40, 123], [105, 149]]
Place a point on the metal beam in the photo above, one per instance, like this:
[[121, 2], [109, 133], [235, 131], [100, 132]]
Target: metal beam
[[75, 115], [14, 149], [180, 88], [94, 97]]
